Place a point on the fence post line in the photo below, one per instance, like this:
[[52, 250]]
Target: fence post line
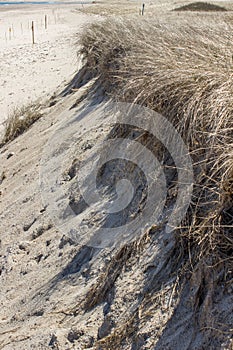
[[45, 21]]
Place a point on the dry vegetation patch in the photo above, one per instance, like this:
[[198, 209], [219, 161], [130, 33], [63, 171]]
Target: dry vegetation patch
[[20, 120], [112, 8], [183, 72], [201, 6]]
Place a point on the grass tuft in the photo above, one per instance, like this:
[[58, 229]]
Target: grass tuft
[[19, 121]]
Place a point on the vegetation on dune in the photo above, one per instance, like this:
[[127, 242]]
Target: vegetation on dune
[[161, 290], [200, 6], [20, 120], [185, 73]]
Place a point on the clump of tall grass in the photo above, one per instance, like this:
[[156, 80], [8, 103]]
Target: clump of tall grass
[[20, 120], [183, 71]]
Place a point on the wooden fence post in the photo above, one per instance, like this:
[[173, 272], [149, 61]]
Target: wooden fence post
[[33, 34], [143, 8]]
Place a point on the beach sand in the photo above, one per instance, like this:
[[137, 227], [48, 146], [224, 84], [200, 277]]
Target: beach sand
[[30, 72]]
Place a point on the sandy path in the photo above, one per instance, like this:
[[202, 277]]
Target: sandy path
[[29, 72]]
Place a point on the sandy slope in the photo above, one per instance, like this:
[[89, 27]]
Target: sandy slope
[[45, 276], [29, 72], [57, 294]]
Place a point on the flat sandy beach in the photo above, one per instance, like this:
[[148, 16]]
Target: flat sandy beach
[[29, 72]]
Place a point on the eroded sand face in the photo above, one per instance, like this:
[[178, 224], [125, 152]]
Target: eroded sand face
[[29, 72]]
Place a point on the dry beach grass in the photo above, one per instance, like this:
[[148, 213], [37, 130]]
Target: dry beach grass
[[184, 72], [201, 6], [20, 120]]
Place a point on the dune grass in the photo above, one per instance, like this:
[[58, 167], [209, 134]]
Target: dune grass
[[112, 8], [182, 68], [20, 120], [201, 6], [183, 71]]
